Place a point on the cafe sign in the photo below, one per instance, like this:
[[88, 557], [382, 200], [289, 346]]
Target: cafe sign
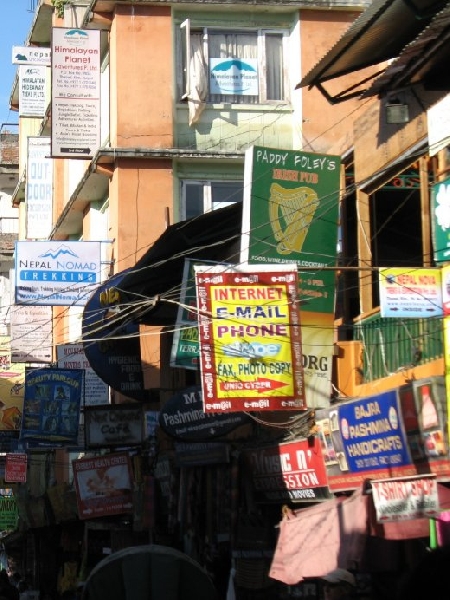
[[113, 425]]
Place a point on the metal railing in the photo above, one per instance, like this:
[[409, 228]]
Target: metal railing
[[391, 345]]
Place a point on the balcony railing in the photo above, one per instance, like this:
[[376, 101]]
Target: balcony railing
[[391, 345]]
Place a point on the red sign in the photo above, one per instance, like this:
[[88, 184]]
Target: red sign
[[293, 471], [16, 468], [104, 485]]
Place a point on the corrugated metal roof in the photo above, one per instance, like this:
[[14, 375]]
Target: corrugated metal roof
[[423, 60], [377, 35]]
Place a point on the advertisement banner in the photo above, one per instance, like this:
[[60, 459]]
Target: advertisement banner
[[440, 220], [32, 86], [113, 349], [31, 55], [410, 293], [56, 273], [403, 499], [16, 468], [76, 71], [12, 382], [113, 425], [397, 433], [104, 485], [185, 348], [234, 76], [72, 356], [51, 408], [9, 513], [39, 189], [250, 340], [288, 472], [31, 334], [291, 213]]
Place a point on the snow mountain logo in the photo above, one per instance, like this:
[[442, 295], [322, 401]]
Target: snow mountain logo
[[60, 251], [75, 36], [234, 76]]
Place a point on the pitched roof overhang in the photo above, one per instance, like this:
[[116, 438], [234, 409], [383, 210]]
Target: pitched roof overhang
[[423, 61], [153, 285], [376, 36]]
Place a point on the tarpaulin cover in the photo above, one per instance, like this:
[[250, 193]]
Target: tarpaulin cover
[[149, 572]]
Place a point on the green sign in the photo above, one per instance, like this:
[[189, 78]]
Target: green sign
[[440, 220], [9, 515], [291, 212]]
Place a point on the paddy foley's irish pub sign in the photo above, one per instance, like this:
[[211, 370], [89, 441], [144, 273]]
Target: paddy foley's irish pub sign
[[250, 338]]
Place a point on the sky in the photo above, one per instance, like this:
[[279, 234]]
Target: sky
[[16, 17]]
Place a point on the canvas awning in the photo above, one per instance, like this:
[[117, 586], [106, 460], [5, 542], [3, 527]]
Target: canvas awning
[[377, 35], [149, 572], [342, 533], [153, 284]]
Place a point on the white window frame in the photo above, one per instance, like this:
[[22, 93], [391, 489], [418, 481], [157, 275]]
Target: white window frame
[[260, 33], [207, 186]]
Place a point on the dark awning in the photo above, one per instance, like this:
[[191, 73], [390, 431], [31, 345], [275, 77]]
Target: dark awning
[[157, 276], [378, 35], [424, 60]]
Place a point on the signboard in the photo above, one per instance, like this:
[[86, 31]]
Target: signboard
[[397, 433], [9, 514], [291, 213], [104, 485], [32, 87], [31, 55], [440, 220], [182, 417], [235, 76], [72, 356], [289, 472], [52, 402], [31, 334], [185, 348], [39, 189], [76, 71], [12, 380], [250, 342], [406, 498], [112, 349], [55, 273], [438, 125], [410, 293], [113, 425], [16, 468]]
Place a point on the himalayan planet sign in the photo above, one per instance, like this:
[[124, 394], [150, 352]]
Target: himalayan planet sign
[[250, 340]]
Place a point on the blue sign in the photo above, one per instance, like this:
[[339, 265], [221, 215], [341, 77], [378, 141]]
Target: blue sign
[[372, 433], [51, 405], [113, 349]]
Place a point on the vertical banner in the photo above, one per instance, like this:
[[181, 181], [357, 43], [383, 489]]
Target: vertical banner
[[440, 220], [32, 86], [76, 80], [250, 340], [291, 213], [39, 189], [51, 408]]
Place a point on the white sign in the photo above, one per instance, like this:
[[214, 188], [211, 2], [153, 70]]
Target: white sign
[[32, 84], [72, 356], [407, 498], [233, 76], [56, 273], [31, 55], [438, 117], [39, 189], [75, 92], [31, 334]]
